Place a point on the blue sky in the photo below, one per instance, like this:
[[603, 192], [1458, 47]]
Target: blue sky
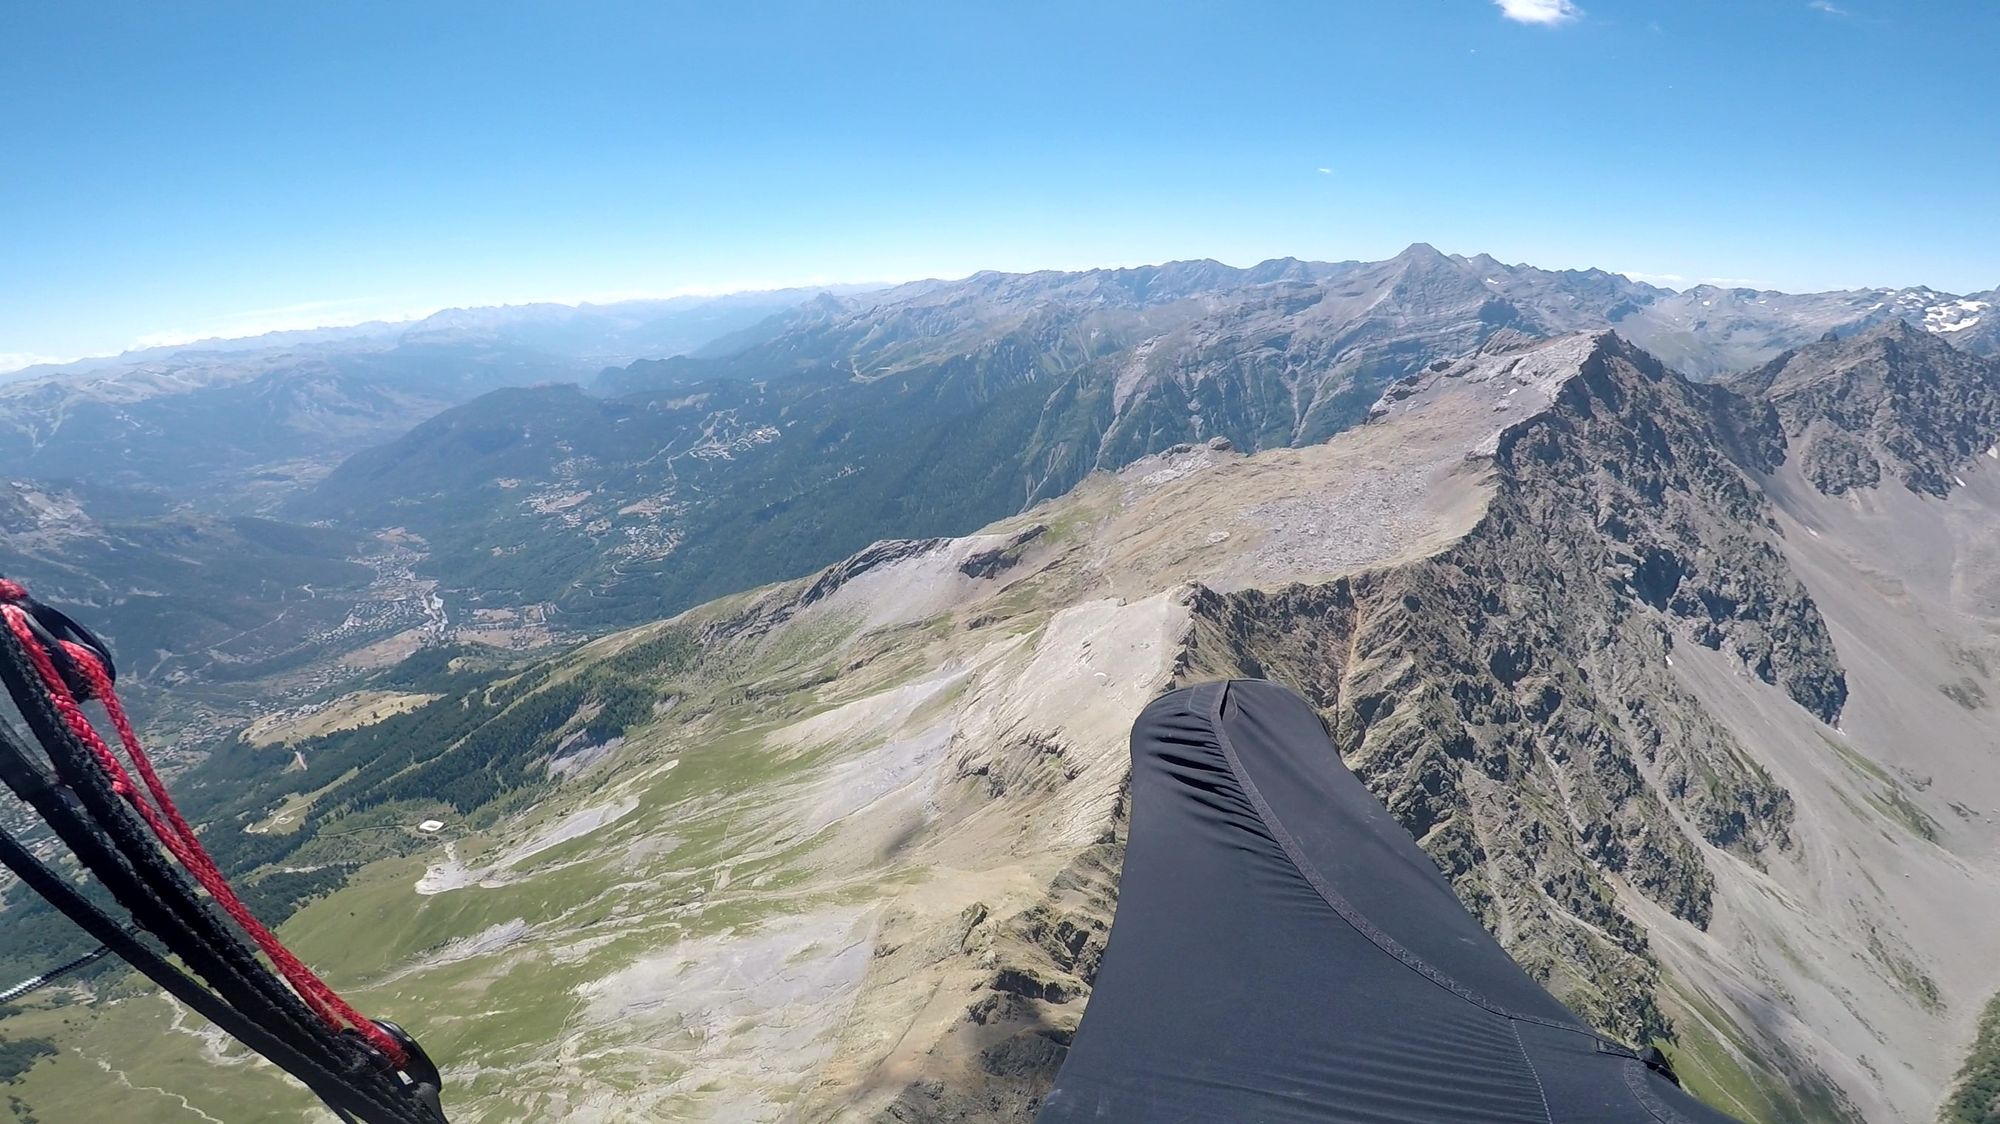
[[187, 169]]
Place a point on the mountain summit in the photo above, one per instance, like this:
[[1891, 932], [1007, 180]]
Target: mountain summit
[[1892, 401]]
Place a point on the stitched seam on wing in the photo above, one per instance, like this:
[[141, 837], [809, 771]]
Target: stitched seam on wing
[[1515, 1026], [1635, 1080], [1340, 904]]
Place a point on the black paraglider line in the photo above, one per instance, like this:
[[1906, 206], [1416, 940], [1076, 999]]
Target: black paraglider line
[[249, 1002]]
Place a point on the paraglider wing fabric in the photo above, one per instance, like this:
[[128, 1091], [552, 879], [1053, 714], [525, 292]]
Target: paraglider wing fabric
[[1283, 951]]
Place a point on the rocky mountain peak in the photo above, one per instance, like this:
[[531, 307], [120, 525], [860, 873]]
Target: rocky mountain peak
[[1891, 401], [1512, 375], [1422, 253], [1422, 259]]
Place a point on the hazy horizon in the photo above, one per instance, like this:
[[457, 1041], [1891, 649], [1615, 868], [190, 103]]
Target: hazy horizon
[[217, 172], [280, 321]]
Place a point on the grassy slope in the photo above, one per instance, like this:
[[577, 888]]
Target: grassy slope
[[1709, 1055], [1976, 1097], [496, 1017]]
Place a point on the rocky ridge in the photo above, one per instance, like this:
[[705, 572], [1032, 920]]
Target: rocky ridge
[[1893, 402]]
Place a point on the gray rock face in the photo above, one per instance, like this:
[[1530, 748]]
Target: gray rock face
[[1894, 401], [1508, 698]]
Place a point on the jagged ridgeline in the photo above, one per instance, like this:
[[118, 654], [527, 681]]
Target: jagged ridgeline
[[1703, 734], [939, 407]]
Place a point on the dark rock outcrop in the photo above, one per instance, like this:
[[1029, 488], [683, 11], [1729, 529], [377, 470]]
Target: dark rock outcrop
[[1892, 402], [1509, 698]]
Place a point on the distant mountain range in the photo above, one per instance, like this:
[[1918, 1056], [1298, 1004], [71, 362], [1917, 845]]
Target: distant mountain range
[[133, 487], [797, 427], [231, 423], [1288, 349], [935, 407]]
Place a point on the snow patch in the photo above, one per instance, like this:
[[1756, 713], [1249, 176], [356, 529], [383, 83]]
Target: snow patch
[[1954, 315]]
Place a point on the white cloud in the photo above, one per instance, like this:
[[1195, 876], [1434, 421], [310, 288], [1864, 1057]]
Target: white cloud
[[1547, 13], [1326, 171], [1827, 6]]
